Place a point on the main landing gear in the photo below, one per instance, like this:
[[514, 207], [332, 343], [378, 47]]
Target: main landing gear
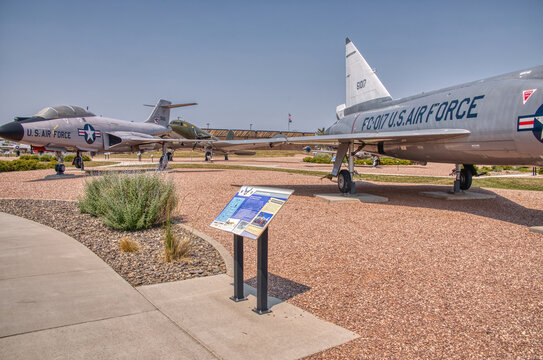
[[166, 156], [59, 167], [208, 155], [345, 181], [464, 177], [78, 161]]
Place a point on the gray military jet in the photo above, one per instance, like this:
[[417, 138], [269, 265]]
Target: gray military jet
[[495, 121], [72, 128]]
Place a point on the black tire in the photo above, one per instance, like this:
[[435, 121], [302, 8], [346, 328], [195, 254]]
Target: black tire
[[466, 177], [471, 169], [77, 162], [344, 181], [170, 156], [208, 156], [61, 168], [56, 168], [161, 163], [225, 156]]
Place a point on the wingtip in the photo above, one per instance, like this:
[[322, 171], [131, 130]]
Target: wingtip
[[347, 40]]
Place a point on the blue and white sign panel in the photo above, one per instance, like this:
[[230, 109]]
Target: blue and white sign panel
[[251, 210]]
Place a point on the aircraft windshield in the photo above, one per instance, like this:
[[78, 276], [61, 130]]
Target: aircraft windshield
[[57, 112]]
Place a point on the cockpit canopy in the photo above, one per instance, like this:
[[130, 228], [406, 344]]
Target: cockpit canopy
[[59, 112]]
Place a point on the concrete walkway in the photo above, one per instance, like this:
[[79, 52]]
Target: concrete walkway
[[59, 300]]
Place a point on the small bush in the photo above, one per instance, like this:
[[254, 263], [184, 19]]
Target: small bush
[[318, 159], [129, 245], [70, 158], [24, 164], [29, 157], [175, 248], [486, 169], [129, 202], [47, 158], [384, 161]]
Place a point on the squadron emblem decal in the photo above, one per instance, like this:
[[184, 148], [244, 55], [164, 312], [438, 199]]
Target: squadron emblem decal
[[526, 95], [89, 133], [533, 123]]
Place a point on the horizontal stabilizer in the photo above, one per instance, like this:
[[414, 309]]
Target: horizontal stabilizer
[[172, 105]]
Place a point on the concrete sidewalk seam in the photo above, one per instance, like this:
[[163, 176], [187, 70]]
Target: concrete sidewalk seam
[[180, 328], [80, 323], [52, 273]]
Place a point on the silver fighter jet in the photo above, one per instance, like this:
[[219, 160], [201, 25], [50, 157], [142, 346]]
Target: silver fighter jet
[[72, 128], [495, 121]]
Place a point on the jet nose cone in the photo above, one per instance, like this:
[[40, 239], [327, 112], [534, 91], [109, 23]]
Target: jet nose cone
[[12, 131]]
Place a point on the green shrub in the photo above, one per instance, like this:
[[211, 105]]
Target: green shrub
[[70, 158], [24, 164], [486, 169], [540, 171], [46, 158], [393, 161], [29, 157], [384, 161], [129, 202], [318, 159], [497, 168]]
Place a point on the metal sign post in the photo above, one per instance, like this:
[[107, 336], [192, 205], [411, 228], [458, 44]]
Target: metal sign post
[[262, 275], [238, 269]]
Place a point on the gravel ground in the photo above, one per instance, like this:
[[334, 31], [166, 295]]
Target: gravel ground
[[143, 267], [415, 277]]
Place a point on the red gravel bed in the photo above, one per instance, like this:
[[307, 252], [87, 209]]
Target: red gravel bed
[[415, 277]]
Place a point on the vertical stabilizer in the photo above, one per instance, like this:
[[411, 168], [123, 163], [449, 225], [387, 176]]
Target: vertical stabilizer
[[362, 84], [160, 114]]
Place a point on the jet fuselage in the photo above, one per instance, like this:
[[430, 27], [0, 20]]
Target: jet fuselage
[[505, 123], [84, 133]]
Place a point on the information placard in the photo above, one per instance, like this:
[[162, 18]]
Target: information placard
[[251, 210]]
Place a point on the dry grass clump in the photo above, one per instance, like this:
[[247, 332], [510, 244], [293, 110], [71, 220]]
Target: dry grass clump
[[176, 248], [129, 245]]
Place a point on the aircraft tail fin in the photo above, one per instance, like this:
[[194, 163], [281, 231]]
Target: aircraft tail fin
[[362, 84], [161, 112]]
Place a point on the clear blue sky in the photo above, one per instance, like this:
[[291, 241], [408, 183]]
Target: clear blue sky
[[249, 61]]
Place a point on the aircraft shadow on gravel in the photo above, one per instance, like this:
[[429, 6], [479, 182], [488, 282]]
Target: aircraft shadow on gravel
[[408, 195]]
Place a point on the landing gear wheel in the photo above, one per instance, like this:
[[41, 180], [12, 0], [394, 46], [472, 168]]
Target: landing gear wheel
[[208, 156], [225, 156], [162, 163], [344, 181], [78, 161], [466, 177], [60, 168], [170, 156]]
